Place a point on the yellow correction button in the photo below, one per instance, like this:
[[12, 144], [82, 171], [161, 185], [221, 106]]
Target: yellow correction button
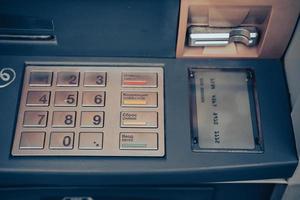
[[139, 99]]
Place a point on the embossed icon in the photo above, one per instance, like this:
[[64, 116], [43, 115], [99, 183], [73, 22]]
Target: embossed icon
[[96, 143], [7, 76]]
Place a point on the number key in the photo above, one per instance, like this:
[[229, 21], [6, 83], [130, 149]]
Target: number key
[[65, 98], [35, 119], [40, 78], [95, 79], [61, 140], [63, 119], [93, 98], [92, 119], [67, 79], [38, 98]]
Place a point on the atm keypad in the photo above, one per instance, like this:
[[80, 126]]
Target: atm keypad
[[90, 140], [94, 79], [139, 79], [144, 119], [63, 119], [61, 140], [139, 99], [67, 79], [93, 98], [40, 78], [91, 111], [38, 98], [65, 98], [35, 118], [32, 140], [92, 119]]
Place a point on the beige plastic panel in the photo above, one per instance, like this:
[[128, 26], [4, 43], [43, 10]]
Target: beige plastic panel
[[275, 20]]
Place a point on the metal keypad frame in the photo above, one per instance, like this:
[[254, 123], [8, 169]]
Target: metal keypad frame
[[109, 131]]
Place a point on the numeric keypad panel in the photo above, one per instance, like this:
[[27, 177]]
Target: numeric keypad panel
[[91, 111]]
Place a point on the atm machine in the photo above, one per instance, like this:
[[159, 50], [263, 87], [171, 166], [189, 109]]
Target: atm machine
[[146, 100]]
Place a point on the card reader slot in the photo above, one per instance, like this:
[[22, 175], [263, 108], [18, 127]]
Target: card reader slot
[[29, 30], [17, 37], [199, 36]]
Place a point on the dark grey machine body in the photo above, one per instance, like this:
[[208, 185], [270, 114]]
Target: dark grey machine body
[[139, 32]]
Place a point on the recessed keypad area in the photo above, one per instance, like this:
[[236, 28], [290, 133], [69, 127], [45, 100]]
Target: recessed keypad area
[[91, 111]]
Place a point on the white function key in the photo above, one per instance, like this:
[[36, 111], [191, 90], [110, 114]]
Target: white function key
[[35, 118], [92, 119], [61, 140], [38, 98], [67, 79], [95, 79], [139, 99], [136, 119], [65, 98], [138, 141], [93, 99], [63, 119], [91, 140], [40, 78], [32, 140], [139, 79]]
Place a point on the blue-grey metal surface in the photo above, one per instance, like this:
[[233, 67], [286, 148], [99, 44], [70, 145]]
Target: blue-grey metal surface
[[180, 165], [203, 192], [118, 28]]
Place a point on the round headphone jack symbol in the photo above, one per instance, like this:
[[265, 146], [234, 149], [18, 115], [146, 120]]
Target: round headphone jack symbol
[[7, 76]]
